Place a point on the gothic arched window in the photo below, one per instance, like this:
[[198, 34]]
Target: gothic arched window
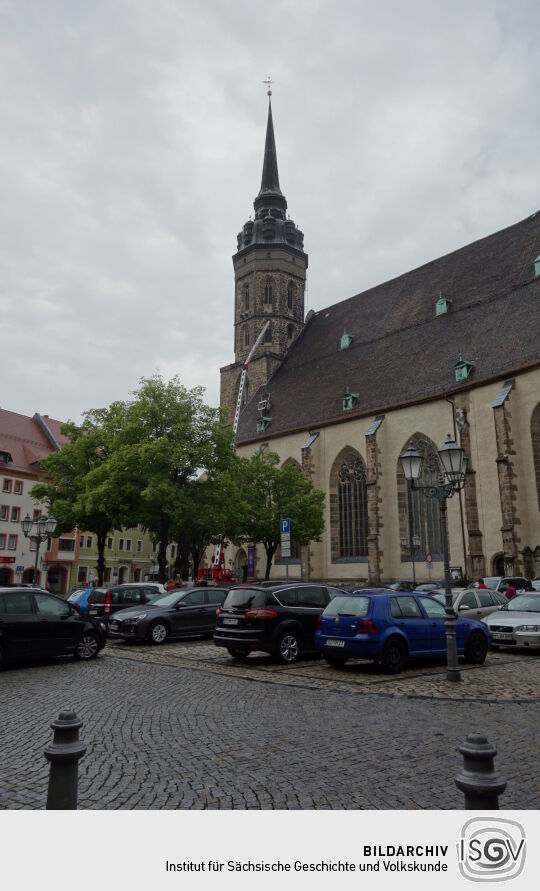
[[290, 295], [535, 437], [419, 516], [268, 292], [352, 507], [290, 332], [246, 336], [268, 335], [246, 297]]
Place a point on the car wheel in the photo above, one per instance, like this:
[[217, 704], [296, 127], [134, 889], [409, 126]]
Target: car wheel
[[88, 646], [287, 648], [241, 655], [336, 661], [476, 648], [157, 633], [394, 656]]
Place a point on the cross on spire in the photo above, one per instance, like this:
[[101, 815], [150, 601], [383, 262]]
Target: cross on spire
[[268, 83]]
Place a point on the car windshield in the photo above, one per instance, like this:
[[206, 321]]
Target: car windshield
[[525, 603], [165, 599], [76, 594], [348, 606]]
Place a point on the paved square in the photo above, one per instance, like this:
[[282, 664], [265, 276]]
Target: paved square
[[183, 726]]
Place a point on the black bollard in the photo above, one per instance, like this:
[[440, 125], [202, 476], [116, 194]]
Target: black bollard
[[478, 780], [64, 753]]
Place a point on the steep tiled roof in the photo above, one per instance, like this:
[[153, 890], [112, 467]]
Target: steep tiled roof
[[402, 352], [25, 440]]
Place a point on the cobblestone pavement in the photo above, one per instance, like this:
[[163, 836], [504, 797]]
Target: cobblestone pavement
[[182, 726]]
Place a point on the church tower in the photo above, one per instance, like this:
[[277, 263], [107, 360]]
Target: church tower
[[270, 277]]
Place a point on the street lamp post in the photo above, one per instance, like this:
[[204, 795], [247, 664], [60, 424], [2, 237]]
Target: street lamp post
[[38, 531], [454, 464]]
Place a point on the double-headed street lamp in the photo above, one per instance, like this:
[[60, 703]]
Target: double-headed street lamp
[[38, 531], [454, 464]]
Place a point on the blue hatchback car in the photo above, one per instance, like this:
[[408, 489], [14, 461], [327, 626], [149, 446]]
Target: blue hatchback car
[[390, 626]]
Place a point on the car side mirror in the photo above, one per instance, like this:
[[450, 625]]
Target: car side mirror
[[464, 606]]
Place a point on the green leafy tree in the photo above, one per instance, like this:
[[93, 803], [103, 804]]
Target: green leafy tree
[[269, 493], [168, 435], [67, 474]]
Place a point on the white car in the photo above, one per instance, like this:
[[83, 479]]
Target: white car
[[517, 624], [477, 603]]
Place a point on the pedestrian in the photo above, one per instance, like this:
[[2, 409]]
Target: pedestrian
[[481, 584], [170, 585], [510, 592], [178, 583]]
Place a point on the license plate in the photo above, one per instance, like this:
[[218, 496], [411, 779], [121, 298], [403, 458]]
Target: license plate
[[230, 621], [113, 625], [497, 635], [93, 612], [335, 643]]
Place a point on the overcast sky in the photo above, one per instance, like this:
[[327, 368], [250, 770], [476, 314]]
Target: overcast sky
[[131, 152]]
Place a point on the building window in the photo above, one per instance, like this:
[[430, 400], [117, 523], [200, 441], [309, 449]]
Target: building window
[[81, 541], [352, 508], [424, 513], [268, 335], [89, 541], [268, 293], [120, 544], [12, 543], [67, 545], [82, 575], [4, 511], [107, 574], [246, 337], [2, 541], [290, 295], [246, 297], [6, 485], [139, 545], [128, 544], [37, 513], [290, 332], [18, 490], [109, 543], [15, 514]]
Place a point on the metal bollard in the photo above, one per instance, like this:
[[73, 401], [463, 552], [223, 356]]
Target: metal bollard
[[64, 753], [478, 780]]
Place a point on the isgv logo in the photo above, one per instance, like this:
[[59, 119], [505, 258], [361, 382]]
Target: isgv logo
[[491, 849]]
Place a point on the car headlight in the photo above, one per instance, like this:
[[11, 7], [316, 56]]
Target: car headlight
[[137, 618], [103, 626], [527, 627]]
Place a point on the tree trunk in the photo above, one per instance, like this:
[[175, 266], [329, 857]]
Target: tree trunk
[[270, 551], [162, 553], [101, 540]]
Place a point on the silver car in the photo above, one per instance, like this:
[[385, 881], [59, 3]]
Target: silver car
[[517, 624], [477, 603]]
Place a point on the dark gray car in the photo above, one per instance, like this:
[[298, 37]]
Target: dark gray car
[[180, 613]]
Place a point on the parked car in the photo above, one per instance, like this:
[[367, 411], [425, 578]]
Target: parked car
[[517, 624], [389, 627], [476, 603], [106, 600], [279, 619], [499, 583], [536, 584], [35, 623], [400, 585], [79, 598], [179, 613], [427, 587]]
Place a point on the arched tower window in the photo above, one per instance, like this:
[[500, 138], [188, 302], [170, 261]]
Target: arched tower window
[[348, 507], [419, 516], [246, 335], [290, 332], [268, 292], [268, 335], [290, 295], [246, 297], [535, 437]]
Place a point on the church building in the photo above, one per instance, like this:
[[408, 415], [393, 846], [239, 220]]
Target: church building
[[450, 347]]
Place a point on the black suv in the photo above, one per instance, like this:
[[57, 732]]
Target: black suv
[[34, 623], [106, 600], [280, 620]]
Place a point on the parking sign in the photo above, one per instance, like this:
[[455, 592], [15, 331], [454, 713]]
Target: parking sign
[[285, 526]]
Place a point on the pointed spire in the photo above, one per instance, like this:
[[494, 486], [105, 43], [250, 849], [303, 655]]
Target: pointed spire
[[270, 177]]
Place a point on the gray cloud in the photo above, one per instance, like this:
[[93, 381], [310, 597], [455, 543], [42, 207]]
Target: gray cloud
[[132, 147]]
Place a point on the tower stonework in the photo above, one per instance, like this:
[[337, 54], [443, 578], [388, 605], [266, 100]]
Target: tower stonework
[[270, 278]]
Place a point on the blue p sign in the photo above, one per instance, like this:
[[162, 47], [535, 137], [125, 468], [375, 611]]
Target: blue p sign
[[285, 526]]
